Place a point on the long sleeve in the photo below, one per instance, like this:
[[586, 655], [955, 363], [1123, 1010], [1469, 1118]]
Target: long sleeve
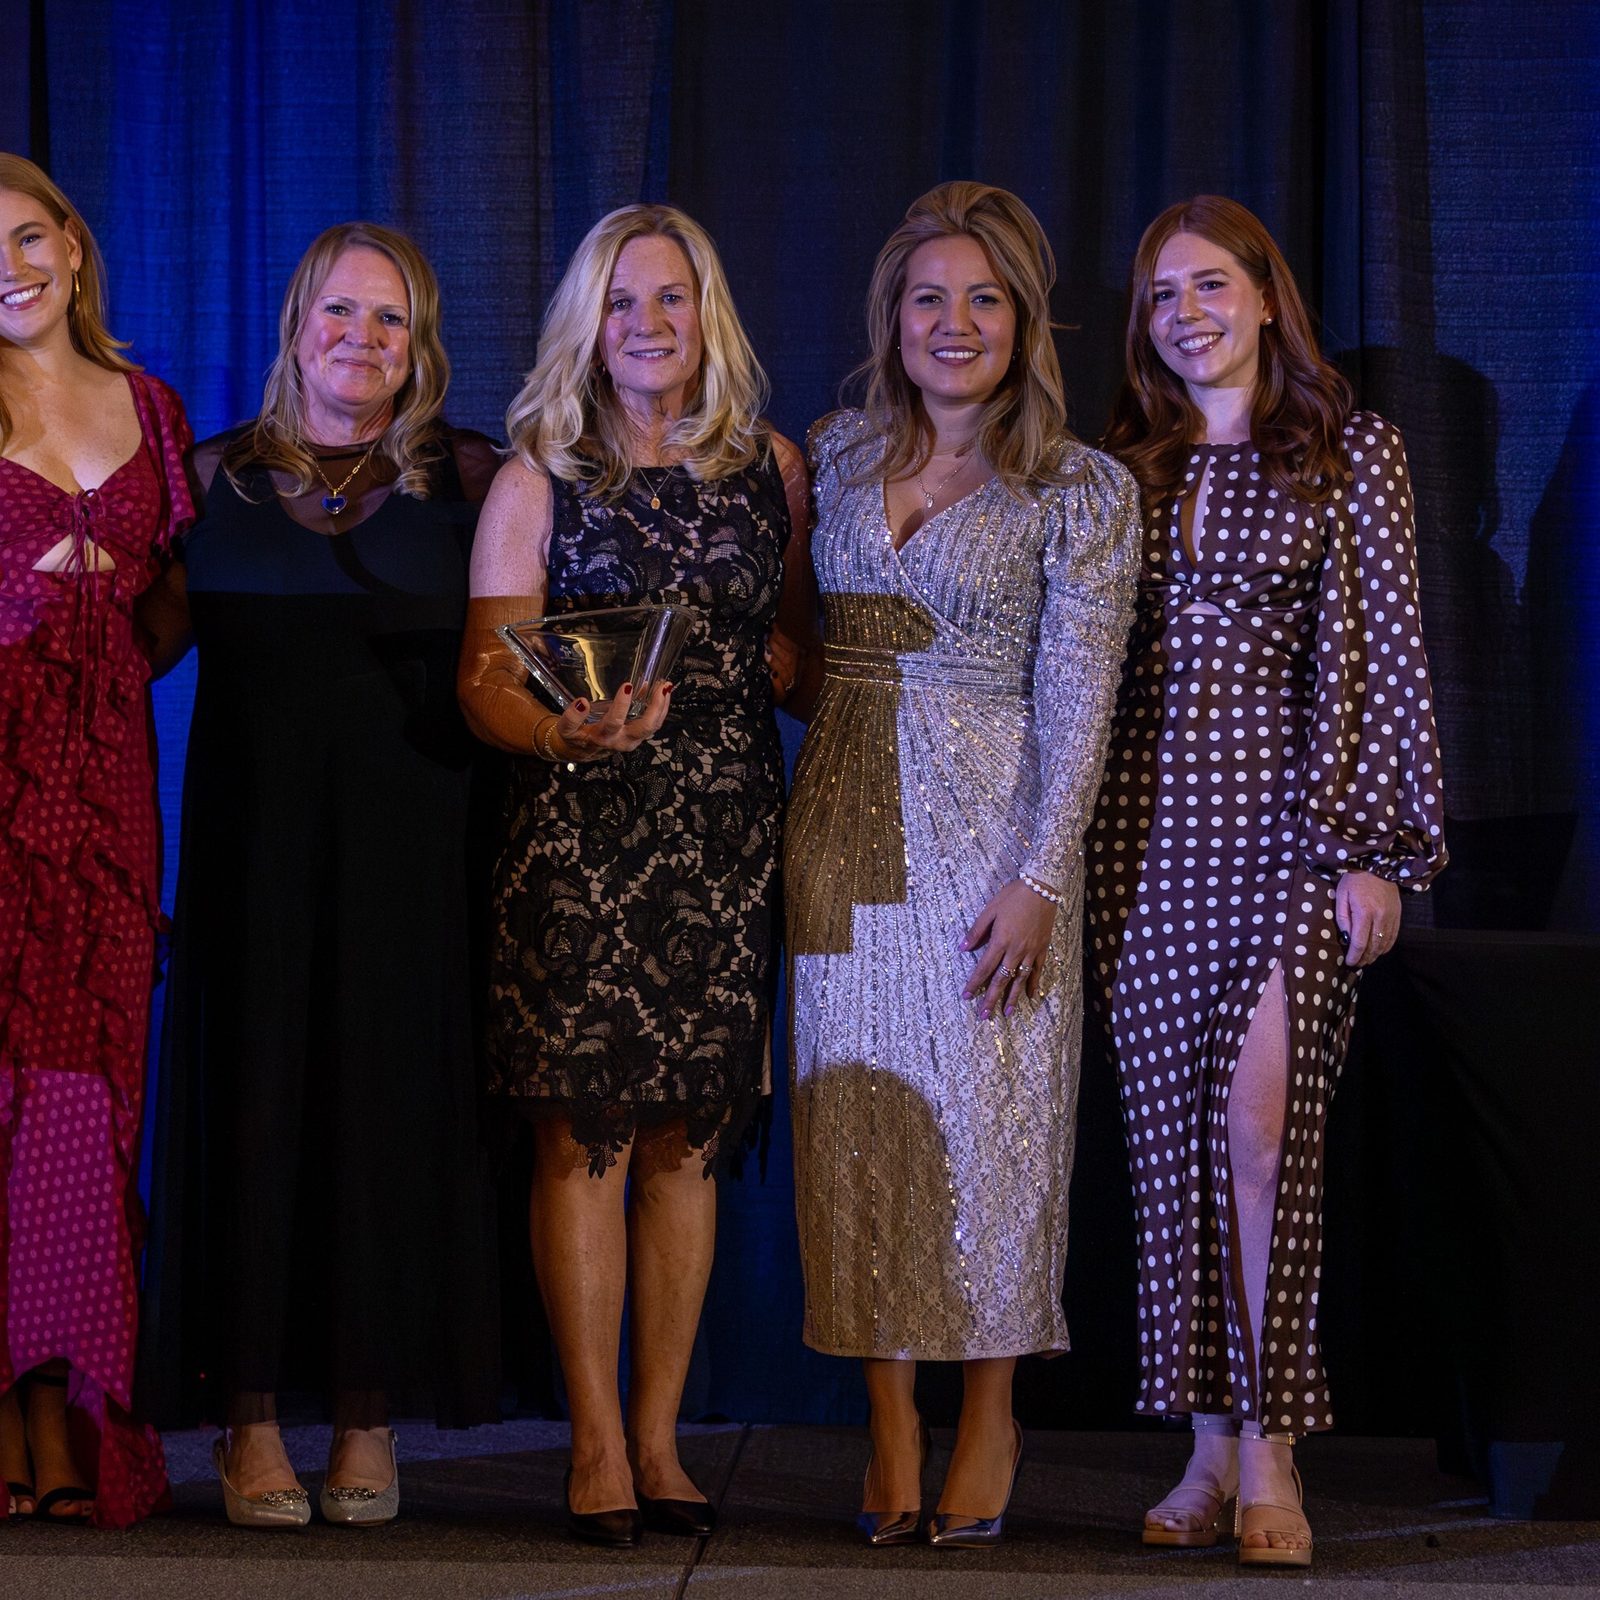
[[1091, 567], [1373, 798]]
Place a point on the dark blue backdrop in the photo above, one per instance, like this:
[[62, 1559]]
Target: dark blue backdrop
[[1431, 166]]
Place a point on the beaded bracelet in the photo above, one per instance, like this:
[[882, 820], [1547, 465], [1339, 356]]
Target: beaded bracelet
[[1040, 890]]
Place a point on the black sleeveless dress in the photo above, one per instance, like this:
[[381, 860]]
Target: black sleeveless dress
[[322, 1218], [635, 905]]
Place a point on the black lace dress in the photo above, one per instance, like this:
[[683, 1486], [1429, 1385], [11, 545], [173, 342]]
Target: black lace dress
[[635, 915]]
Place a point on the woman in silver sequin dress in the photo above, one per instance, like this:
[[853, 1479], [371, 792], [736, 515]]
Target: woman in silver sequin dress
[[976, 568]]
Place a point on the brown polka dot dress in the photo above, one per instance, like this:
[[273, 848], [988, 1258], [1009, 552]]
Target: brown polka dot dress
[[1276, 736]]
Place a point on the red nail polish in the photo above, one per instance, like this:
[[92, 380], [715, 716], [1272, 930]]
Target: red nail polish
[[627, 688]]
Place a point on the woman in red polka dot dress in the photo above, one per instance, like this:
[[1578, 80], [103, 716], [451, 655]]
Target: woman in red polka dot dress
[[91, 493], [1273, 783]]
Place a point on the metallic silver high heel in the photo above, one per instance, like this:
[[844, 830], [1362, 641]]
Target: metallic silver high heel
[[949, 1530], [277, 1508], [362, 1508], [884, 1528]]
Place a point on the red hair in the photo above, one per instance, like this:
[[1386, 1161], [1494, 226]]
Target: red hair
[[1300, 404]]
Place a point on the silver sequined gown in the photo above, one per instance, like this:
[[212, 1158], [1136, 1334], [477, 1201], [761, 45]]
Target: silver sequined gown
[[958, 739]]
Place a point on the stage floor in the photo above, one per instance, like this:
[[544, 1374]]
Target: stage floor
[[481, 1520]]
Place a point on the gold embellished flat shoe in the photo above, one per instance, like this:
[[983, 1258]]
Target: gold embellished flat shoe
[[277, 1508]]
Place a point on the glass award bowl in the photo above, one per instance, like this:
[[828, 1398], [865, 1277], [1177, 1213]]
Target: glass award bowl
[[589, 655]]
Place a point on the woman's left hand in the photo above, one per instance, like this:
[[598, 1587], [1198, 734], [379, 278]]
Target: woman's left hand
[[783, 664], [1013, 932], [1367, 910]]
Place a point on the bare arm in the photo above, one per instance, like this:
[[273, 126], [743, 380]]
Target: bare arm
[[795, 650], [161, 613], [510, 583]]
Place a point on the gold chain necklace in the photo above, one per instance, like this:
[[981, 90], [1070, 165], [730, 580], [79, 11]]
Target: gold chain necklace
[[929, 496], [333, 502]]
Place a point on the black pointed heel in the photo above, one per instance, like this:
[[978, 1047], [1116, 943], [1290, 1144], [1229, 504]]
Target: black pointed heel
[[617, 1530], [685, 1519]]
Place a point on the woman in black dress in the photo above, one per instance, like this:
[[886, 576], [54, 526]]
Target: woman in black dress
[[1273, 784], [322, 1224], [636, 894]]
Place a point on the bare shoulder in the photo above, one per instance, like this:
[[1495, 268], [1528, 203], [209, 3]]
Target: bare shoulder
[[517, 485], [786, 452]]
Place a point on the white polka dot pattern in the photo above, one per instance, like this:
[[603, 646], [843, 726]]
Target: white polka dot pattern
[[1274, 729]]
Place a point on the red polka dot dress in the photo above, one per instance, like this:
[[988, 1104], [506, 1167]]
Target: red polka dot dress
[[79, 910], [1275, 728]]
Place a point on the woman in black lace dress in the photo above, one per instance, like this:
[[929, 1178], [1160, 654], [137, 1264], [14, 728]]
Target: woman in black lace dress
[[635, 897]]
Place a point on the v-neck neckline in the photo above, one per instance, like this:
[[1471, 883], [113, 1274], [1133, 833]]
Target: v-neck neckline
[[932, 517], [116, 472]]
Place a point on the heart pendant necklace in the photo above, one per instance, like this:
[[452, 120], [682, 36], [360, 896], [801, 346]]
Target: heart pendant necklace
[[334, 501]]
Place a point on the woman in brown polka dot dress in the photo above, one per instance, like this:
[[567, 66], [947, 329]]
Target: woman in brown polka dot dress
[[1273, 783]]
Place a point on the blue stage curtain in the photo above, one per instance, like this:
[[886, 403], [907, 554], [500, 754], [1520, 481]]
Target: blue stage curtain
[[1431, 167]]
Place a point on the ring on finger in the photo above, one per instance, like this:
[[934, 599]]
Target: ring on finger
[[1024, 968], [1005, 971]]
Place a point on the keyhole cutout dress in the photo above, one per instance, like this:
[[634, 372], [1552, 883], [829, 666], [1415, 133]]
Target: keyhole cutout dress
[[80, 884], [1258, 753]]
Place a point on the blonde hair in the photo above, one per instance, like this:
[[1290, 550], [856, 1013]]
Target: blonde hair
[[1023, 426], [411, 442], [86, 309], [568, 421]]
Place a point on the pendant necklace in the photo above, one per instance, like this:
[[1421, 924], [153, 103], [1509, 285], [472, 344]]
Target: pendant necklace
[[929, 496], [334, 501]]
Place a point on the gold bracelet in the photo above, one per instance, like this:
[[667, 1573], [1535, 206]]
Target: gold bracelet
[[542, 740]]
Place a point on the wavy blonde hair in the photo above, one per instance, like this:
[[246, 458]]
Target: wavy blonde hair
[[412, 442], [567, 420], [86, 310], [1023, 426], [1300, 403]]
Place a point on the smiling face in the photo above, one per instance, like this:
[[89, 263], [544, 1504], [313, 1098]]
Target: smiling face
[[354, 349], [958, 323], [1206, 314], [650, 339], [37, 260]]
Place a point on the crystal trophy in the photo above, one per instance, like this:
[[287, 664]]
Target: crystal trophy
[[589, 655]]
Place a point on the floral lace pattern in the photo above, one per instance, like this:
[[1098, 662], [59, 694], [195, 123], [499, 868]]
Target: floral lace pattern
[[635, 899]]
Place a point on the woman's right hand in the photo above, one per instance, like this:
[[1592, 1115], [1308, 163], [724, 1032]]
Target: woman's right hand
[[577, 740]]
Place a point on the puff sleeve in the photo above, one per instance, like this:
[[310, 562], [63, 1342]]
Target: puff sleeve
[[1373, 798]]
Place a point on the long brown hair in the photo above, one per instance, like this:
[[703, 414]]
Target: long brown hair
[[1300, 404], [86, 310], [1024, 423], [411, 442]]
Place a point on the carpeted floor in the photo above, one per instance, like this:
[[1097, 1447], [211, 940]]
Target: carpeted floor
[[481, 1520]]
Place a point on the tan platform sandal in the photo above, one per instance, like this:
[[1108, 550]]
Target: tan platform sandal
[[1246, 1521], [1202, 1506]]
